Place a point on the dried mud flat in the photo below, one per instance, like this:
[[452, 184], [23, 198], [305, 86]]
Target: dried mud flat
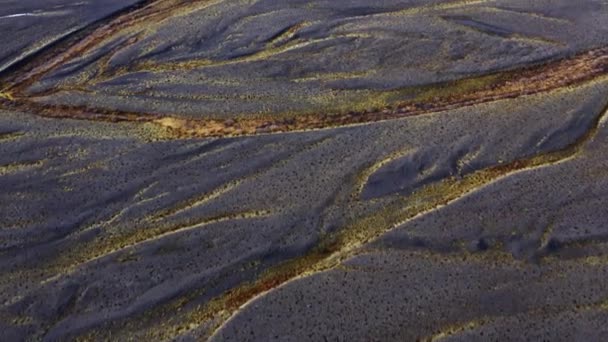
[[312, 170]]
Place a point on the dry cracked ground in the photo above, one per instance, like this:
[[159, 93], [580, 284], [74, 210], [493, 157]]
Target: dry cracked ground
[[304, 170]]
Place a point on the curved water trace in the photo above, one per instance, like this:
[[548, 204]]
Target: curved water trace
[[333, 248]]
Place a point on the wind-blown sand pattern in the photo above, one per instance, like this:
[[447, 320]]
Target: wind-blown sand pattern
[[304, 170]]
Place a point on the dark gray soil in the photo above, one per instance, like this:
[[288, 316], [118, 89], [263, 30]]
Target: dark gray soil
[[479, 223]]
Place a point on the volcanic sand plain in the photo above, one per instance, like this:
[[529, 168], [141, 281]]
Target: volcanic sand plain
[[303, 170]]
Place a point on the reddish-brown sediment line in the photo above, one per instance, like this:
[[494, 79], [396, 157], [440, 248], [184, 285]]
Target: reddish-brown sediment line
[[71, 112], [511, 84], [149, 10], [578, 69]]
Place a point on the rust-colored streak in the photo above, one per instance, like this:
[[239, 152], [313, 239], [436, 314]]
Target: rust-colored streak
[[71, 112], [148, 10], [578, 69], [510, 84]]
